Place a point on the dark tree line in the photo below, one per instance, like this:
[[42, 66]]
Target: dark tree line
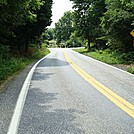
[[23, 22], [102, 23]]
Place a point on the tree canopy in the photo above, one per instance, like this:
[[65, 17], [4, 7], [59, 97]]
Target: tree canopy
[[64, 27], [65, 32], [87, 18], [23, 21], [117, 23], [102, 23]]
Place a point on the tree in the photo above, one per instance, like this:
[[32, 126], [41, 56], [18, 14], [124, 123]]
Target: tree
[[23, 21], [87, 18], [64, 27], [33, 30], [117, 24], [51, 34], [15, 13], [74, 41]]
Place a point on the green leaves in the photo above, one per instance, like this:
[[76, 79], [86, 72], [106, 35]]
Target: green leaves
[[23, 21], [64, 27], [3, 2], [98, 18], [117, 23], [87, 18]]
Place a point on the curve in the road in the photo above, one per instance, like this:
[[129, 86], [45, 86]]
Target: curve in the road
[[116, 99], [13, 128]]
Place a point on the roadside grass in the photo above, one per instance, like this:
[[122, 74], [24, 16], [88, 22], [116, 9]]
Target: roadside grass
[[12, 65], [131, 69], [111, 57]]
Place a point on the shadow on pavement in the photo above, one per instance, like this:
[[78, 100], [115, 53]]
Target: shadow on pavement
[[52, 62], [39, 116], [40, 75]]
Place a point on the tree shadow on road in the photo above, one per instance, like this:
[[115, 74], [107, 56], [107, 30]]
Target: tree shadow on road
[[39, 116], [40, 75], [52, 62]]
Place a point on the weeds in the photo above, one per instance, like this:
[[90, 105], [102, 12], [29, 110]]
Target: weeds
[[10, 65]]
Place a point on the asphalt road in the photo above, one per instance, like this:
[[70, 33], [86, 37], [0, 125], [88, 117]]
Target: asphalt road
[[65, 97]]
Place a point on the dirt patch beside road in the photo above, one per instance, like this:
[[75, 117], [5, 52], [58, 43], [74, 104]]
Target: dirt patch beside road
[[122, 66]]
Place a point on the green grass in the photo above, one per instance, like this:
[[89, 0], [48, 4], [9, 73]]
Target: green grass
[[12, 65], [39, 53], [110, 57], [131, 69]]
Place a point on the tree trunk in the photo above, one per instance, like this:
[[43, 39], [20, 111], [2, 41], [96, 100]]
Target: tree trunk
[[27, 44], [88, 45], [26, 48]]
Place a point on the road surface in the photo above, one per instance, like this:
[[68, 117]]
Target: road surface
[[73, 94]]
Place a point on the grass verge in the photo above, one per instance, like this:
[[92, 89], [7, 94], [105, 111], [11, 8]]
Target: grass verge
[[112, 58], [10, 66]]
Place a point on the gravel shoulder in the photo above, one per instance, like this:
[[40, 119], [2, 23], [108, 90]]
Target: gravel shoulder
[[122, 66]]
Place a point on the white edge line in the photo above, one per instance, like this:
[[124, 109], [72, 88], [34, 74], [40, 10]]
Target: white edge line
[[14, 124], [105, 64]]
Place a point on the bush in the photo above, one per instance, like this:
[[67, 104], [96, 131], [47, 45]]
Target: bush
[[9, 65], [4, 52], [40, 52]]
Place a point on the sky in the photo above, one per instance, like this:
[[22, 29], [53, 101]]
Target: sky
[[59, 7]]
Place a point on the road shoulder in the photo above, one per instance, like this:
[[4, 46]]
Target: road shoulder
[[9, 95]]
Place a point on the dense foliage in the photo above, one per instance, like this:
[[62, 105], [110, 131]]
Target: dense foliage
[[9, 65], [22, 22], [64, 31], [50, 34], [22, 31], [87, 19], [99, 24], [115, 18], [117, 24]]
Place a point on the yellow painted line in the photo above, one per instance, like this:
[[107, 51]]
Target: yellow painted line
[[116, 99]]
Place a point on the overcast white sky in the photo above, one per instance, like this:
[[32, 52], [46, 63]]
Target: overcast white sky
[[59, 7]]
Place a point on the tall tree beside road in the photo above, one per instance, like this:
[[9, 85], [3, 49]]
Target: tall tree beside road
[[23, 21], [33, 30], [64, 27], [50, 34], [87, 18], [117, 24]]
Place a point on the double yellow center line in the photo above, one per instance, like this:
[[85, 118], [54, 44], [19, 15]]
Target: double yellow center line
[[119, 101]]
